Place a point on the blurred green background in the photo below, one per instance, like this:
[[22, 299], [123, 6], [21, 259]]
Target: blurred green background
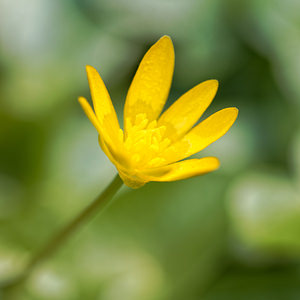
[[232, 234]]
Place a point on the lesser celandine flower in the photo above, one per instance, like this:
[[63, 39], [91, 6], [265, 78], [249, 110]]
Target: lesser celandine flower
[[153, 146]]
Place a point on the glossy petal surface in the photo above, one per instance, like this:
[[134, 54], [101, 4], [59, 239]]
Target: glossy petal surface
[[104, 110], [188, 109], [184, 169], [202, 135], [151, 84]]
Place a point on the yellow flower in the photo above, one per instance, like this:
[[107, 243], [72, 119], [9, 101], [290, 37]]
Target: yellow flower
[[152, 146]]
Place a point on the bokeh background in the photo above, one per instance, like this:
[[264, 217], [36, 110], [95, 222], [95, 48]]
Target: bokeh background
[[232, 234]]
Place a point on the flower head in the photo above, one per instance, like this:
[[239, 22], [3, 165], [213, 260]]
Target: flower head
[[153, 146]]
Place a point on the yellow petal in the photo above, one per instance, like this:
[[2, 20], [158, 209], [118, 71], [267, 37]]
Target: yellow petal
[[151, 84], [109, 146], [90, 113], [116, 155], [109, 152], [184, 169], [202, 135], [103, 107], [187, 110], [130, 181]]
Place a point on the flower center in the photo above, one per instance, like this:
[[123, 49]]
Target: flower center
[[145, 141]]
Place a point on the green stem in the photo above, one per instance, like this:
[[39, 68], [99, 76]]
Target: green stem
[[101, 202]]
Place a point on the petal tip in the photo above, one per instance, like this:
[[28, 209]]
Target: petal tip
[[215, 162], [215, 82], [166, 38], [210, 85], [212, 161], [235, 110], [232, 113], [89, 69], [81, 99], [166, 41]]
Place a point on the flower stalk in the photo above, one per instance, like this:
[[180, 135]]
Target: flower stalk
[[98, 205]]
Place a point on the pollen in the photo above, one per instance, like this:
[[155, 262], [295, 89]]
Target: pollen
[[144, 142]]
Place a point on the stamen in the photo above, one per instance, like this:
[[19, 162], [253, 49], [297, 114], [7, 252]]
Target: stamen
[[152, 124], [145, 141], [136, 158], [156, 161], [140, 121]]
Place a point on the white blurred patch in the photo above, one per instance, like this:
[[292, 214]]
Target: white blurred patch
[[127, 272], [24, 25], [47, 283], [265, 211], [11, 261]]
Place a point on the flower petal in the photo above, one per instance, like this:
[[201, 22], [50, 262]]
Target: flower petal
[[202, 135], [116, 159], [90, 113], [103, 107], [151, 84], [109, 152], [184, 169], [116, 155], [92, 117], [187, 110]]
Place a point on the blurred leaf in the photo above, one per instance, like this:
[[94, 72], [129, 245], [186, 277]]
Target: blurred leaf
[[295, 158], [249, 284], [265, 212], [272, 28]]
